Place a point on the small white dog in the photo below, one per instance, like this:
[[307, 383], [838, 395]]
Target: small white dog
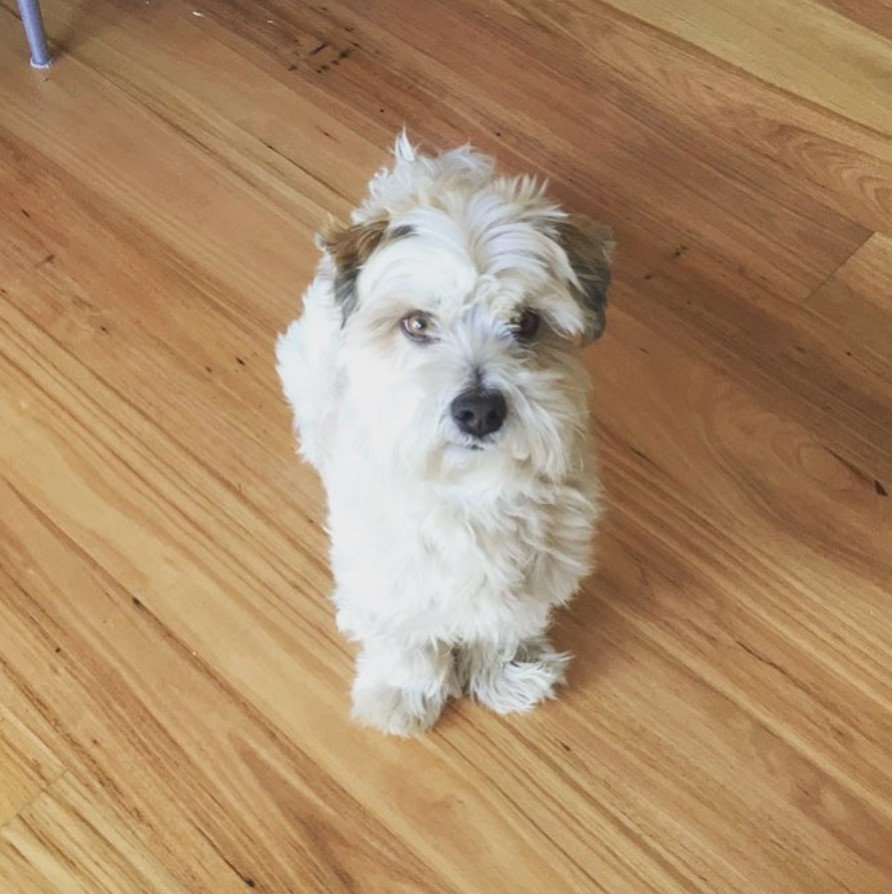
[[436, 388]]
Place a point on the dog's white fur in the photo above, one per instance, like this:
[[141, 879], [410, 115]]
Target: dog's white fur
[[449, 552]]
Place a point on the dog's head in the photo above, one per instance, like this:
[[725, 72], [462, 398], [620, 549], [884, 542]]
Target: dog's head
[[463, 298]]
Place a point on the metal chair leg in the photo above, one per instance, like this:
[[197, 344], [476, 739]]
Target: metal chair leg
[[33, 22]]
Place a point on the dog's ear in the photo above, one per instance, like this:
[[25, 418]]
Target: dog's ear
[[589, 248], [350, 248]]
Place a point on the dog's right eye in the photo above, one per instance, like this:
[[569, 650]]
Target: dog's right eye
[[418, 326]]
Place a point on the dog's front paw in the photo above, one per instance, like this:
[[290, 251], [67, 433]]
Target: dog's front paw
[[511, 683], [401, 690], [399, 712]]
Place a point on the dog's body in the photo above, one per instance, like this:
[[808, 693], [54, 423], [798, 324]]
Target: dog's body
[[436, 389]]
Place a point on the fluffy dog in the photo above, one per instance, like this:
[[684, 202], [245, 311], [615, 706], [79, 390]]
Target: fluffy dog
[[436, 388]]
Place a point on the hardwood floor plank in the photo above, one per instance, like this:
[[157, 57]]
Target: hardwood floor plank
[[115, 294], [65, 842], [738, 121], [808, 370], [858, 301], [873, 14], [786, 43], [27, 766], [200, 206]]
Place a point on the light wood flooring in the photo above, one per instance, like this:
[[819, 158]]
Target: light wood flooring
[[173, 692]]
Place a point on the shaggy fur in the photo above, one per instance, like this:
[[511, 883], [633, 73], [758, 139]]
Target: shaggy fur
[[450, 548]]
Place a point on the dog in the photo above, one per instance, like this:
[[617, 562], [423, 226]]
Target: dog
[[436, 386]]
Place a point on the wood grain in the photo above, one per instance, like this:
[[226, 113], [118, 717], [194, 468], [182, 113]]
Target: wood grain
[[74, 839], [27, 766], [803, 47], [858, 301], [173, 693]]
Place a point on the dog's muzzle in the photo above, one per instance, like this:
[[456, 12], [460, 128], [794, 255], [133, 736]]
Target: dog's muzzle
[[479, 412]]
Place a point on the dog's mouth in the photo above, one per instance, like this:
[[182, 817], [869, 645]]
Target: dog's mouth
[[475, 445]]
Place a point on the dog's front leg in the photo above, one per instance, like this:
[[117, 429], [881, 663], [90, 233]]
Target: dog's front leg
[[511, 677], [402, 690]]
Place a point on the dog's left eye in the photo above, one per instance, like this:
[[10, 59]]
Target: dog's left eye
[[417, 325], [526, 325]]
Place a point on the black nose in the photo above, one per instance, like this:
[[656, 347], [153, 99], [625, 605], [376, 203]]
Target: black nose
[[479, 412]]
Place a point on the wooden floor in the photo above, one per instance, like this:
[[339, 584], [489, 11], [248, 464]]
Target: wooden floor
[[173, 692]]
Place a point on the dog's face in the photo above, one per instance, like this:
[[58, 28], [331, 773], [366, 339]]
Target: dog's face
[[463, 300]]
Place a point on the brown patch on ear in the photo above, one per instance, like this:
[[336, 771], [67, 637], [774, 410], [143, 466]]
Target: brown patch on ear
[[350, 248], [589, 247]]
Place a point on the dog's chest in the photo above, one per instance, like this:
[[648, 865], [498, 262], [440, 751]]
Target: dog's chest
[[452, 570]]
